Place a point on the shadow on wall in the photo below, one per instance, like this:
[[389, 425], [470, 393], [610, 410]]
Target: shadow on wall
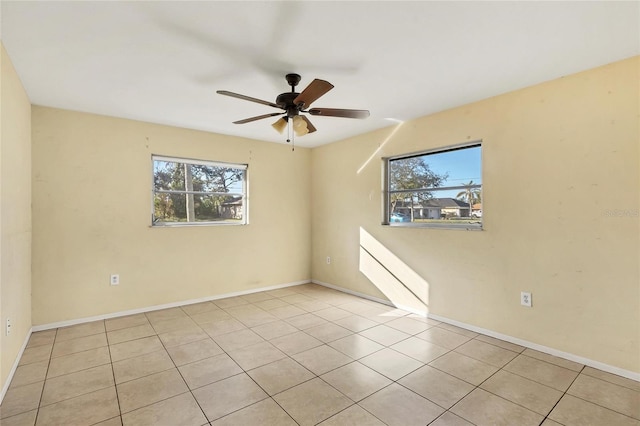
[[401, 284]]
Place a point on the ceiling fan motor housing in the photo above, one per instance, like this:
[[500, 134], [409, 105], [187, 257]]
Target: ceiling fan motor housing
[[285, 101]]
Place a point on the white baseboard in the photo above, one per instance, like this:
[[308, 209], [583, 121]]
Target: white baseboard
[[5, 387], [372, 298], [540, 348], [67, 323], [551, 351], [354, 293]]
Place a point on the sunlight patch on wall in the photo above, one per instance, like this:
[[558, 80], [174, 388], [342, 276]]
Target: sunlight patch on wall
[[397, 281], [387, 139]]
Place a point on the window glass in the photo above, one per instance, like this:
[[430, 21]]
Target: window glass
[[198, 192], [437, 189]]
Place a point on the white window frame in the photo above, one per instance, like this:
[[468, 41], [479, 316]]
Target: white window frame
[[386, 219], [243, 194]]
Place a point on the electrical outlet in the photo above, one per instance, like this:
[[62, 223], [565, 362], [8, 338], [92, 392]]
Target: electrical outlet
[[8, 329], [328, 260], [525, 299], [115, 279]]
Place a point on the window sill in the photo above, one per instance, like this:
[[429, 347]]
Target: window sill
[[458, 226], [197, 224]]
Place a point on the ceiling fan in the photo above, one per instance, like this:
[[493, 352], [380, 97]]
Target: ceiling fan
[[294, 103]]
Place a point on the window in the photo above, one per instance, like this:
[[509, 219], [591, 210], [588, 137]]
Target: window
[[194, 192], [440, 188]]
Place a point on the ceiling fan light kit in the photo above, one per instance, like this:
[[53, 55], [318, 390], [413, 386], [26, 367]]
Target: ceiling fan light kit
[[294, 103], [300, 126], [280, 125]]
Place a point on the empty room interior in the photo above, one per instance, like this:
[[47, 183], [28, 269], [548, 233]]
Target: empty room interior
[[335, 213]]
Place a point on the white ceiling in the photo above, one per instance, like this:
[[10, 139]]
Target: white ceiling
[[163, 61]]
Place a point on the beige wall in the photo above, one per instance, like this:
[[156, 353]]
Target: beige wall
[[91, 217], [557, 158], [15, 214]]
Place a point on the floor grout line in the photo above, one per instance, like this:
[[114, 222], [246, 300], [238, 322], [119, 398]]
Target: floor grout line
[[236, 311]]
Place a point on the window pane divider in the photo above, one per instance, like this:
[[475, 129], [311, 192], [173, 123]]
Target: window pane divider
[[439, 188]]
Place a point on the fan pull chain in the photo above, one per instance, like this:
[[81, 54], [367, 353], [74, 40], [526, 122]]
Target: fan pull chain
[[291, 138]]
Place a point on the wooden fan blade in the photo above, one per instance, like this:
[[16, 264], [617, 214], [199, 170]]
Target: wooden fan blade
[[257, 117], [310, 126], [247, 98], [313, 91], [336, 112]]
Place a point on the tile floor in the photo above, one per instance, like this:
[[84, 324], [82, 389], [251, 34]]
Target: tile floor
[[302, 355]]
